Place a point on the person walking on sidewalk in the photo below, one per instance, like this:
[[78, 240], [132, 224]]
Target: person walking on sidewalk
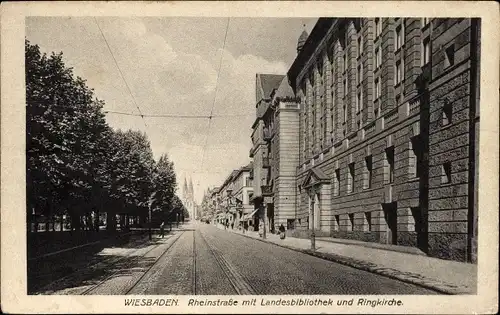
[[282, 231], [245, 227], [162, 229]]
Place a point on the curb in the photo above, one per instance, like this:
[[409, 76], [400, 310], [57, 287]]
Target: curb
[[411, 278]]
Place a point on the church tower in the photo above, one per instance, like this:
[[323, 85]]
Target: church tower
[[188, 197]]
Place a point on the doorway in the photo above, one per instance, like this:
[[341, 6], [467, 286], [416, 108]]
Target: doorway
[[391, 218], [314, 206], [420, 228], [270, 217]]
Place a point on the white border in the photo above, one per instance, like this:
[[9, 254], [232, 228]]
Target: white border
[[13, 236]]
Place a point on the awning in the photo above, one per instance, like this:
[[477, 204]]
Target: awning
[[250, 215]]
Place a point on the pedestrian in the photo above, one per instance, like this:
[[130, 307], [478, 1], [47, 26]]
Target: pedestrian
[[261, 228], [232, 225], [162, 229], [245, 226], [282, 231]]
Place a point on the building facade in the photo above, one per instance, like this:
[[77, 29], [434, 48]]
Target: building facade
[[232, 199], [383, 146], [275, 151]]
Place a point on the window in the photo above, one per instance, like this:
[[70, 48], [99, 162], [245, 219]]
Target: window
[[378, 58], [415, 157], [367, 183], [399, 37], [449, 56], [350, 178], [368, 222], [344, 62], [359, 101], [359, 77], [377, 88], [345, 113], [360, 45], [426, 51], [389, 172], [425, 22], [351, 221], [378, 27], [398, 75], [446, 173], [336, 183], [447, 114]]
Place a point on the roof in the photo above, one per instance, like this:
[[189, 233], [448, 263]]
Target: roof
[[303, 36], [284, 89], [266, 83], [317, 175], [318, 32]]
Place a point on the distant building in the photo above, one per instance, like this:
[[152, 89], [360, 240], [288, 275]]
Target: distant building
[[188, 198], [233, 198], [385, 138]]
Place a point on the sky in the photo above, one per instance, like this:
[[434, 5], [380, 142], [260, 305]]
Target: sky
[[171, 66]]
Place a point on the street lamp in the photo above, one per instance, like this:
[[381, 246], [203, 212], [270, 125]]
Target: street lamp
[[229, 204], [312, 195]]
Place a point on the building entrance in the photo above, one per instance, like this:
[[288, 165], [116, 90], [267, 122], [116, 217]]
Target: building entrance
[[391, 218]]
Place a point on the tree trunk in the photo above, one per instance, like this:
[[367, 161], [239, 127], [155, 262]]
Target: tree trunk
[[75, 222], [97, 219], [111, 221]]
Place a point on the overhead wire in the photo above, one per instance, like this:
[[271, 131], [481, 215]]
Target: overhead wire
[[121, 73], [215, 95], [176, 115], [209, 117]]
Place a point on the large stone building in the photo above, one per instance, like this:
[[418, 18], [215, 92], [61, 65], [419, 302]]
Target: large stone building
[[386, 136]]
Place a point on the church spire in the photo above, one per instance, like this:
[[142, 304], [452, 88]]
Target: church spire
[[191, 192], [185, 190]]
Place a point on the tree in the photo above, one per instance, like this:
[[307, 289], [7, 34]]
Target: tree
[[131, 170], [165, 184], [65, 129]]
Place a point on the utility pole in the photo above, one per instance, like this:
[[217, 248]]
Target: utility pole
[[313, 205], [150, 205], [264, 235]]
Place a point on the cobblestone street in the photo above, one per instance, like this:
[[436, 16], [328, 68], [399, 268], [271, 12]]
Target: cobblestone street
[[204, 260]]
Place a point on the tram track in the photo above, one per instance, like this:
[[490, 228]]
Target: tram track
[[146, 273], [239, 282]]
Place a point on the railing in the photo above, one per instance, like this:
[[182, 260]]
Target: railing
[[414, 107], [391, 117], [370, 128], [266, 190]]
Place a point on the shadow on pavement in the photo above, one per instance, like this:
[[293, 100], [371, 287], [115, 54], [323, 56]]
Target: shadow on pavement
[[91, 264]]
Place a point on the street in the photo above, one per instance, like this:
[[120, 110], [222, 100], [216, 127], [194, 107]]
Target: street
[[201, 259]]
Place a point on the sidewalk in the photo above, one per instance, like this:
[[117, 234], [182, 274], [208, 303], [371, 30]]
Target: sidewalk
[[445, 276]]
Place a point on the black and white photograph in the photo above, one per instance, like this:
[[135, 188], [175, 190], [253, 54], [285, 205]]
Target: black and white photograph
[[319, 161]]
